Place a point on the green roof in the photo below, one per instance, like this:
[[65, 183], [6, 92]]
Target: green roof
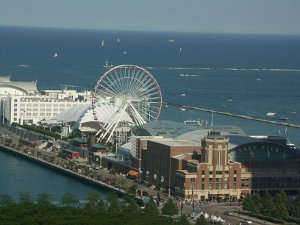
[[80, 140], [99, 146]]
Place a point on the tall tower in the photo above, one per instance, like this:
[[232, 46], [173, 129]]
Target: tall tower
[[215, 149]]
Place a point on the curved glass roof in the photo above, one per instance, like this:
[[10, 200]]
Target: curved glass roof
[[180, 131], [246, 149], [165, 128]]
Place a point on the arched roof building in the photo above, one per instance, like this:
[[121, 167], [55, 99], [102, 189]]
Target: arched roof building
[[8, 87]]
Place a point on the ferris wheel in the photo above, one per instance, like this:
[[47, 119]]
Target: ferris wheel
[[134, 93]]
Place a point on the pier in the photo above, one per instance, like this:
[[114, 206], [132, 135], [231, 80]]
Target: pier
[[62, 169], [234, 115]]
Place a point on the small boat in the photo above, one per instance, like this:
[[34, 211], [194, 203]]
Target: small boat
[[180, 49], [182, 109], [118, 40], [270, 114], [183, 94], [124, 52], [294, 111], [171, 40], [55, 55], [107, 66], [102, 43], [229, 100]]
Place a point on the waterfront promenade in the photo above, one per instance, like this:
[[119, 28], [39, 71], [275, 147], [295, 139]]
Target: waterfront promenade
[[103, 178]]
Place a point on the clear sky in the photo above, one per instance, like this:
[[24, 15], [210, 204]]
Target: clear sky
[[219, 16]]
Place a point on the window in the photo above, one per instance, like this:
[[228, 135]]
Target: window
[[219, 179], [203, 172], [202, 186], [234, 171], [15, 100], [225, 186], [210, 186], [219, 186]]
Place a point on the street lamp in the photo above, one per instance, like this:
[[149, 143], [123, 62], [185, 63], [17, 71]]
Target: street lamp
[[193, 200], [155, 178]]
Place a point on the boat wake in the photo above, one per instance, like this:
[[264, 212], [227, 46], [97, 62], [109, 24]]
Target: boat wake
[[189, 75], [24, 65]]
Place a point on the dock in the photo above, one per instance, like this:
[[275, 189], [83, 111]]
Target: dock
[[181, 106]]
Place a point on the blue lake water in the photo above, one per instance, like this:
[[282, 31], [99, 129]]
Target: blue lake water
[[242, 74]]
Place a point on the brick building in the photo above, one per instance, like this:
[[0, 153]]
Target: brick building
[[160, 161], [234, 166]]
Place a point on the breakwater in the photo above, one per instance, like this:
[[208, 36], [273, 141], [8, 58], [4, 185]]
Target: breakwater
[[233, 115]]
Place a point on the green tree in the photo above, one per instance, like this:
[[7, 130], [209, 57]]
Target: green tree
[[248, 204], [183, 220], [201, 220], [132, 189], [101, 206], [44, 199], [257, 202], [282, 205], [268, 205], [6, 200], [92, 199], [296, 208], [132, 206], [69, 200], [24, 198], [114, 206], [151, 208], [169, 208]]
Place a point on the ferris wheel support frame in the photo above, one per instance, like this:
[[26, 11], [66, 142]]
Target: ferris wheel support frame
[[134, 90]]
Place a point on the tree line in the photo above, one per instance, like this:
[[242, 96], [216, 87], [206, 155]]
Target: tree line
[[278, 208], [94, 211]]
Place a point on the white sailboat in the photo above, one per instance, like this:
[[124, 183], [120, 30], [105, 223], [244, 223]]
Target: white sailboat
[[102, 43], [55, 55], [180, 49], [118, 40]]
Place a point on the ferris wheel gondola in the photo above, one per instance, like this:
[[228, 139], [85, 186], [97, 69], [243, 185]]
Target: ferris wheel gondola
[[133, 91]]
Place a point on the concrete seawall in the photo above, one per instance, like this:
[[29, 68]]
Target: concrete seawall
[[63, 170]]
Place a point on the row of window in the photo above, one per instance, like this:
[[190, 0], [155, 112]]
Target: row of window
[[218, 172]]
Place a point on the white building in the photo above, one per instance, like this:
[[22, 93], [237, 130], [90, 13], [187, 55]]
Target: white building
[[27, 109], [21, 102]]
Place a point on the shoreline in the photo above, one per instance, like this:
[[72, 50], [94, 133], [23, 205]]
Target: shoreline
[[63, 170]]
